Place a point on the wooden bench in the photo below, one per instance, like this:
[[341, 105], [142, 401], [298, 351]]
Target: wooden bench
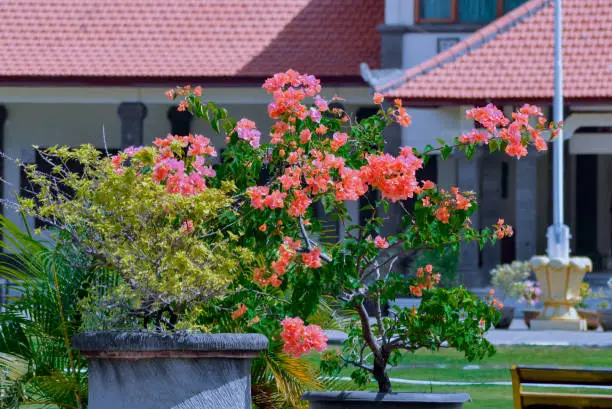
[[525, 375]]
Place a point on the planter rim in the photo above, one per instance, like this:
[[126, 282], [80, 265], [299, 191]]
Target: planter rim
[[388, 397], [143, 344]]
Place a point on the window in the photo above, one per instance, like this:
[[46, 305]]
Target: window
[[462, 11]]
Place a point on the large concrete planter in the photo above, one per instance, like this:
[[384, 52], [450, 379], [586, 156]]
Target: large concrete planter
[[373, 400], [134, 370], [560, 280]]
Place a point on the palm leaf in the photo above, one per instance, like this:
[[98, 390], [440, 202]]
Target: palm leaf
[[38, 322]]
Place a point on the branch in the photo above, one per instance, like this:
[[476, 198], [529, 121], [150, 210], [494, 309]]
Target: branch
[[368, 336], [309, 243], [357, 364]]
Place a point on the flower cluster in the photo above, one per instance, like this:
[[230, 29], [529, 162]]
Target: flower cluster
[[513, 134], [288, 90], [179, 163], [530, 292], [394, 177], [399, 114], [246, 130], [509, 277], [299, 339], [445, 203], [503, 230], [425, 280]]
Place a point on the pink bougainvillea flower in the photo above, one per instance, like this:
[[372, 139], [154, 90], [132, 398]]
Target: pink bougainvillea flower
[[257, 195], [321, 103], [275, 200], [490, 117], [299, 339], [305, 135], [442, 214], [300, 203], [381, 242], [395, 177], [475, 136], [338, 140], [246, 130], [428, 184], [312, 259], [402, 117]]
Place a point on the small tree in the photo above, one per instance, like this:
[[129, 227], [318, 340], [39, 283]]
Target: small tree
[[322, 155]]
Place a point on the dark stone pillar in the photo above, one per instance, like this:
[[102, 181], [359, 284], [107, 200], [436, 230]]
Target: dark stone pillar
[[391, 46], [525, 224], [468, 177], [132, 115], [587, 187], [180, 121], [490, 204]]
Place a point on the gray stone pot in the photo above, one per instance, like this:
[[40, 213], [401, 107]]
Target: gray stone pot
[[605, 319], [134, 370], [374, 400], [507, 315]]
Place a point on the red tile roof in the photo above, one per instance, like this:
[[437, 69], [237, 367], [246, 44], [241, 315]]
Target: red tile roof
[[512, 58], [162, 39]]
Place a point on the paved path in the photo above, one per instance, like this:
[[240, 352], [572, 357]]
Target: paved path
[[518, 334]]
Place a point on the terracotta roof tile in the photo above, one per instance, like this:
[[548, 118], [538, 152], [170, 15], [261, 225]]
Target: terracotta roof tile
[[188, 38], [512, 58]]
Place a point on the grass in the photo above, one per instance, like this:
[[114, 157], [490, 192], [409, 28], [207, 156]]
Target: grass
[[449, 365]]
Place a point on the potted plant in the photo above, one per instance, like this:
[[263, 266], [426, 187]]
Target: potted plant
[[197, 248], [146, 221], [590, 316], [605, 312], [530, 294], [320, 155], [507, 280]]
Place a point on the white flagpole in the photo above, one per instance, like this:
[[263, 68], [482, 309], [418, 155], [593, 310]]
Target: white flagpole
[[558, 234]]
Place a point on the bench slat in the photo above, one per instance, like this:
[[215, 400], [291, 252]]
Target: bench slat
[[566, 400], [564, 376]]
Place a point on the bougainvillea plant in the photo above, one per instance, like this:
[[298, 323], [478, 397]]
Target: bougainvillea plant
[[320, 156], [284, 265]]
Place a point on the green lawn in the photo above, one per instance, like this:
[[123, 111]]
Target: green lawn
[[427, 366]]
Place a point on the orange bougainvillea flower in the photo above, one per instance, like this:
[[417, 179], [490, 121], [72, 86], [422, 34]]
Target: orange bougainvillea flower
[[378, 98], [312, 259], [442, 214], [239, 312]]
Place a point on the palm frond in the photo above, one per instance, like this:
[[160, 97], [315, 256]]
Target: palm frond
[[38, 322], [283, 379]]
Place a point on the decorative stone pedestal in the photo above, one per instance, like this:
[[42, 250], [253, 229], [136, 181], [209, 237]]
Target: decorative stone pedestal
[[138, 370], [560, 280]]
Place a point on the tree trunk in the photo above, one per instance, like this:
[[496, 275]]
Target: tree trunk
[[380, 374]]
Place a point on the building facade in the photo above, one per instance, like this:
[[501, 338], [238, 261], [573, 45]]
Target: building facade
[[76, 72], [446, 61]]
